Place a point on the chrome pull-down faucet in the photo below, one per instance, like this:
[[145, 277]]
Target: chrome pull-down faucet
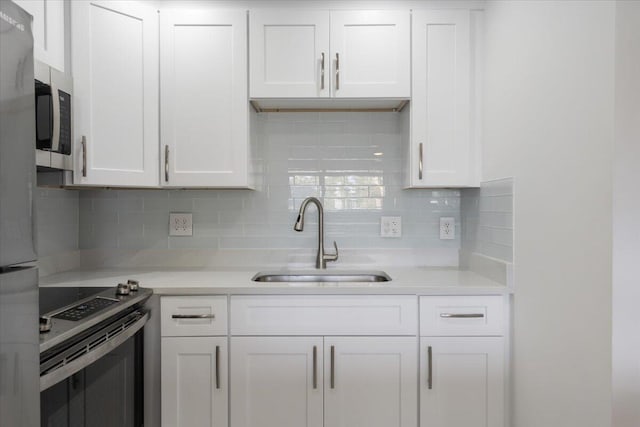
[[322, 258]]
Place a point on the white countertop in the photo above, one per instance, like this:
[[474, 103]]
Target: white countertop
[[193, 281]]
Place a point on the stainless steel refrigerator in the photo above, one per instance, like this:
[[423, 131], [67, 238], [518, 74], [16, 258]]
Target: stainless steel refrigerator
[[19, 346]]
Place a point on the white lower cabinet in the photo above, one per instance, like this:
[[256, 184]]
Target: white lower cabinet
[[194, 365], [462, 361], [276, 381], [462, 382], [333, 361], [323, 361], [330, 381], [370, 381], [194, 382]]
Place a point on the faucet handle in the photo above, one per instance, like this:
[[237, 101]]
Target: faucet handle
[[332, 257]]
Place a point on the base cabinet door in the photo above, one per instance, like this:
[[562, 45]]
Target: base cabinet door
[[370, 381], [462, 382], [276, 382], [194, 382]]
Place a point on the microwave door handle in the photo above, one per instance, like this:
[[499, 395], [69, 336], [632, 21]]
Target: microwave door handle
[[55, 127]]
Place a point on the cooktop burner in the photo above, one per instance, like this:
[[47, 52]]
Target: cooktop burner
[[86, 308]]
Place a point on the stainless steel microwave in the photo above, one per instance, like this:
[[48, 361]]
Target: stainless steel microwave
[[53, 92]]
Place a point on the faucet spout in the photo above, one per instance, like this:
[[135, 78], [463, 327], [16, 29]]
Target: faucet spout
[[322, 257]]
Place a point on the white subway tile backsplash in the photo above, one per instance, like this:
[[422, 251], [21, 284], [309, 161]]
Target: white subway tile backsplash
[[487, 221], [326, 155], [57, 215]]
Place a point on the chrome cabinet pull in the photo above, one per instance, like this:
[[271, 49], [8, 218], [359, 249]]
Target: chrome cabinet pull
[[420, 161], [333, 366], [429, 368], [193, 316], [218, 367], [166, 163], [315, 367], [322, 71], [337, 71], [84, 156], [461, 315]]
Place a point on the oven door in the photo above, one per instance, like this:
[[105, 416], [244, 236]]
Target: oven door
[[108, 392]]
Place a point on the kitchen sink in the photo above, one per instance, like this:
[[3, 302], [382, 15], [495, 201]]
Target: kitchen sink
[[322, 276]]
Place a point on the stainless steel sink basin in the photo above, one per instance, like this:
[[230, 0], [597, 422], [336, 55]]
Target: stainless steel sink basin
[[322, 276]]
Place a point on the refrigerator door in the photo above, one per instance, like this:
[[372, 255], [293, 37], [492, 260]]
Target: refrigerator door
[[19, 348], [17, 136]]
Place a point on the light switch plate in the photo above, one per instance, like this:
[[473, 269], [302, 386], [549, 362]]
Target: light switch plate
[[180, 224], [447, 228], [391, 226]]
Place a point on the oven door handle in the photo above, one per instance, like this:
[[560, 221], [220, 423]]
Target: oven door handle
[[82, 362]]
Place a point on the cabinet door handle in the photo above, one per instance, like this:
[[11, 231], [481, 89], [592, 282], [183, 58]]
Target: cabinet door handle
[[84, 156], [166, 163], [322, 71], [420, 161], [333, 367], [337, 71], [429, 368], [315, 367], [461, 315], [193, 316], [217, 366]]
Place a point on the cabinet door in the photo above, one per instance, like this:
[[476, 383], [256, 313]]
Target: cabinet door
[[276, 382], [462, 382], [371, 381], [115, 71], [203, 81], [287, 51], [370, 54], [442, 151], [194, 382], [48, 30]]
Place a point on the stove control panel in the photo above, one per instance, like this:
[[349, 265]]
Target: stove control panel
[[86, 309]]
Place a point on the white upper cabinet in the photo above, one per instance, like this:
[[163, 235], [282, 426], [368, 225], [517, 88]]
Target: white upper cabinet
[[115, 71], [370, 54], [204, 105], [48, 30], [289, 54], [340, 54], [444, 143]]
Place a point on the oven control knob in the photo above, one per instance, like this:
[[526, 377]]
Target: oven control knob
[[134, 285], [45, 323], [123, 289]]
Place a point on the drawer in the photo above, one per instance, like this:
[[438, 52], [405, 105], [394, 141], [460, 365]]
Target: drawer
[[462, 315], [193, 316], [324, 315]]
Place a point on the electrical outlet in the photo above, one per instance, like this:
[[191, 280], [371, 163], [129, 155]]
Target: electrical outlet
[[391, 226], [180, 224], [447, 228]]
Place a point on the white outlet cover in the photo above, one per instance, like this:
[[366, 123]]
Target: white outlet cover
[[447, 228], [391, 226], [180, 224]]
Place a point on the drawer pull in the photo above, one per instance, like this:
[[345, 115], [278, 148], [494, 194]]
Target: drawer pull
[[462, 315], [193, 316]]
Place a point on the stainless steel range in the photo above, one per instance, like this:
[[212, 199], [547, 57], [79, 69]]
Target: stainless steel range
[[91, 355]]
